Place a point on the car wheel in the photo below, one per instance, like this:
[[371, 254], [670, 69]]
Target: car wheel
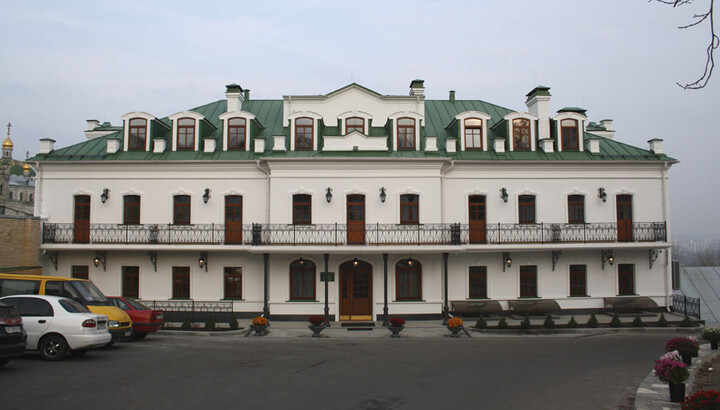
[[53, 347], [3, 362], [140, 335], [79, 352]]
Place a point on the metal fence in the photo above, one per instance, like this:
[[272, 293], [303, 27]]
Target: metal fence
[[192, 310], [686, 305]]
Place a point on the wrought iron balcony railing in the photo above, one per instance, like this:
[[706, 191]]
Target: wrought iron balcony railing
[[353, 234]]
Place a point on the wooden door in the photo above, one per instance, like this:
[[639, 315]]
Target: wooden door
[[624, 218], [478, 229], [356, 291], [82, 219], [355, 219], [233, 219]]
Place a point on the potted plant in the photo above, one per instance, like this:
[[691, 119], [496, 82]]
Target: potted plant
[[712, 335], [259, 325], [704, 399], [686, 346], [397, 324], [317, 324], [455, 325], [674, 373]]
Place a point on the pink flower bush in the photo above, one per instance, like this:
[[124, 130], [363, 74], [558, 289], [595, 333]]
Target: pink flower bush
[[674, 355], [671, 371], [684, 345]]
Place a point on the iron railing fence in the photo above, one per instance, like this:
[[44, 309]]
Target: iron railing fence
[[190, 305], [351, 234], [686, 305]]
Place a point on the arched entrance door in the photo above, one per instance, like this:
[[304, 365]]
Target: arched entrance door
[[356, 291]]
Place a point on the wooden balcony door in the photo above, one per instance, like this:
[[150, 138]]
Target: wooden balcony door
[[81, 227], [355, 219], [624, 218], [478, 228], [233, 219], [356, 291]]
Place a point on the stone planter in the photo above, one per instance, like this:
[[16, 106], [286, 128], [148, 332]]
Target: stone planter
[[259, 330], [316, 329], [677, 392], [396, 330], [455, 331]]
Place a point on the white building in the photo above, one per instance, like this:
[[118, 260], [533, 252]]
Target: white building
[[414, 205]]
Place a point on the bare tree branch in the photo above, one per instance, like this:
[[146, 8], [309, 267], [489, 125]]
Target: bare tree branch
[[710, 51]]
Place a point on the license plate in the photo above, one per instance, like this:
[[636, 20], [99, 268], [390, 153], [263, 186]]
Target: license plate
[[12, 329], [128, 333]]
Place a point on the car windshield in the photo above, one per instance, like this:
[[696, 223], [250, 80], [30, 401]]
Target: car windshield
[[72, 306], [137, 305], [84, 292]]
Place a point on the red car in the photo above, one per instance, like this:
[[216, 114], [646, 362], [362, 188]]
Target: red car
[[145, 320]]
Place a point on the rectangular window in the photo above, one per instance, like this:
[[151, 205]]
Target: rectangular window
[[233, 282], [406, 133], [409, 212], [355, 124], [478, 282], [186, 133], [302, 280], [80, 272], [302, 209], [131, 281], [526, 209], [181, 210], [304, 133], [131, 210], [236, 133], [569, 135], [521, 134], [138, 133], [181, 282], [473, 133], [576, 209], [578, 280], [626, 279], [528, 282], [9, 287]]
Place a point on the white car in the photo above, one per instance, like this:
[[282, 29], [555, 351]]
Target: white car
[[57, 325]]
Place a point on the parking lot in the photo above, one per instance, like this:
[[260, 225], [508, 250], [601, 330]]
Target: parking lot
[[184, 372]]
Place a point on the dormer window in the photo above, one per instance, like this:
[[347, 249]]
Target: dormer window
[[473, 133], [304, 133], [405, 133], [137, 133], [237, 133], [355, 124], [521, 134], [569, 135], [186, 133]]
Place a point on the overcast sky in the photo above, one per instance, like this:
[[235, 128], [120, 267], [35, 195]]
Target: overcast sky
[[64, 62]]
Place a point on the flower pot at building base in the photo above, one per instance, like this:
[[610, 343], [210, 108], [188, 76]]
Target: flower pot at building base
[[677, 392], [259, 330], [316, 330], [396, 330], [713, 345], [455, 331], [687, 359]]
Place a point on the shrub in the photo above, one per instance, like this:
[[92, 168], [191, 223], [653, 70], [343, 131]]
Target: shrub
[[502, 324], [233, 323], [637, 322], [316, 320], [396, 321], [671, 371], [592, 322], [210, 323], [481, 323], [684, 345], [711, 334], [572, 324], [662, 322], [615, 322], [455, 322], [525, 324], [259, 321], [686, 322], [703, 400], [549, 323], [186, 324]]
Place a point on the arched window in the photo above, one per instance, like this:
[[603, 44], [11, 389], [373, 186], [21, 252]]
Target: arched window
[[409, 212], [302, 280], [354, 124], [406, 133], [473, 133], [137, 133], [304, 133], [236, 133], [569, 132], [186, 133], [408, 280], [521, 134]]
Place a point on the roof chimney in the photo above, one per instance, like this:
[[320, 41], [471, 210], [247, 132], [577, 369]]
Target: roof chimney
[[234, 95], [452, 96], [538, 102], [417, 88], [46, 145], [247, 95], [656, 146], [92, 124]]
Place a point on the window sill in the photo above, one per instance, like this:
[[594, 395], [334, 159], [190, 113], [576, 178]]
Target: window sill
[[237, 299], [529, 297], [302, 300], [479, 299], [180, 299], [409, 300], [627, 294], [579, 296]]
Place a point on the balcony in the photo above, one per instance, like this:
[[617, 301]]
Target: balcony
[[344, 235]]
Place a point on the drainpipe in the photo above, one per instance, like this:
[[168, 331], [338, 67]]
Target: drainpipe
[[266, 170], [442, 189], [668, 251]]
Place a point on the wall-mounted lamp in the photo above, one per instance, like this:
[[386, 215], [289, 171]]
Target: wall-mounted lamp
[[328, 194], [607, 256], [602, 194], [410, 262], [507, 262], [206, 195], [504, 194], [355, 261], [383, 195], [203, 261], [100, 257], [301, 262], [105, 195]]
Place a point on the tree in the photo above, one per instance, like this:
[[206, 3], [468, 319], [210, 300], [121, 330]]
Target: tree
[[714, 41]]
